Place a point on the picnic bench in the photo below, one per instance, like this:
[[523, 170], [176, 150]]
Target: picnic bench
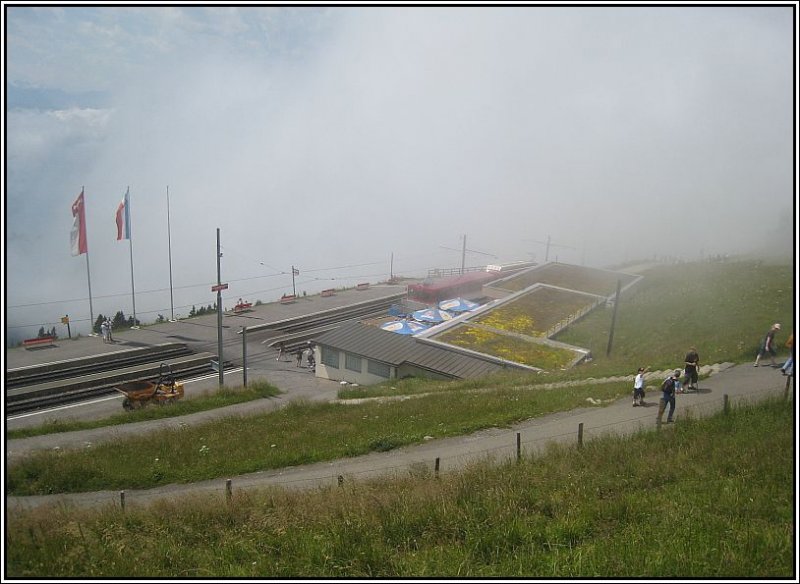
[[288, 298], [362, 286], [328, 292], [38, 341], [243, 307]]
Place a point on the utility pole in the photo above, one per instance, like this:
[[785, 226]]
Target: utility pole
[[220, 359], [294, 271], [391, 267], [613, 319], [463, 253]]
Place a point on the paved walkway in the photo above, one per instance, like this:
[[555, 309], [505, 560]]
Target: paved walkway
[[742, 383]]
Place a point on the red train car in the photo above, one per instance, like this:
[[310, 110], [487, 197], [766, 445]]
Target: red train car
[[465, 285]]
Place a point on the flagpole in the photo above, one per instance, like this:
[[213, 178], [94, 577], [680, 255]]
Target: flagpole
[[88, 276], [169, 248], [130, 247]]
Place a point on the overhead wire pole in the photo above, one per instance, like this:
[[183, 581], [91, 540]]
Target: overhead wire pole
[[464, 251], [548, 245], [220, 359]]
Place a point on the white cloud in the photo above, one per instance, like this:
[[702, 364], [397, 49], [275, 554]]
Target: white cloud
[[330, 137]]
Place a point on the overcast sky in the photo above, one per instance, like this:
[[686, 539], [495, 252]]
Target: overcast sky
[[342, 137]]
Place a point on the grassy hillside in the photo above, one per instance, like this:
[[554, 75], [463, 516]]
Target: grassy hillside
[[710, 498], [723, 309]]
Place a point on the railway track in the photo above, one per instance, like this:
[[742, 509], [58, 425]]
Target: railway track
[[32, 375], [70, 381]]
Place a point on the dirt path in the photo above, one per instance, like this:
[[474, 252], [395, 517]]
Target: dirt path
[[740, 384]]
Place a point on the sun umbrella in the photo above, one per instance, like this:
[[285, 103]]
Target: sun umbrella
[[458, 305], [404, 327], [432, 315]]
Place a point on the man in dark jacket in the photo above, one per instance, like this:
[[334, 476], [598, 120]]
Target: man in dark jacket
[[668, 396]]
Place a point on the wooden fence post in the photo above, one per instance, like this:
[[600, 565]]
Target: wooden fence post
[[580, 434], [228, 490], [122, 499], [436, 467], [519, 448]]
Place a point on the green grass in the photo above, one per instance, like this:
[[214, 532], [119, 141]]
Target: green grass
[[206, 401], [710, 498], [300, 433]]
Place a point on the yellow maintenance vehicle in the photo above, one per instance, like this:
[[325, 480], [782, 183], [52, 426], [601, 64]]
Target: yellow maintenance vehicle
[[140, 393]]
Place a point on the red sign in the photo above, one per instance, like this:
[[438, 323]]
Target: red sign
[[219, 287]]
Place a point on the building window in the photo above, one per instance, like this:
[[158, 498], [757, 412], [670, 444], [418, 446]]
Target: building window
[[330, 357], [379, 369], [352, 362]]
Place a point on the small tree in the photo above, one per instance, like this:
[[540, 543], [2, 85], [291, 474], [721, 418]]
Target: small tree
[[119, 320], [193, 311], [98, 323]]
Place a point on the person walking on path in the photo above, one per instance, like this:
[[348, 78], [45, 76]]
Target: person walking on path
[[692, 366], [768, 345], [788, 367], [104, 330], [108, 328], [299, 357], [280, 351], [638, 387], [668, 396]]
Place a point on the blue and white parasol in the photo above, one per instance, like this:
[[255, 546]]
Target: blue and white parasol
[[404, 327], [432, 315], [458, 305]]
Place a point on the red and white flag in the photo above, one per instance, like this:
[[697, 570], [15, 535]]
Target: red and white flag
[[124, 218], [78, 235]]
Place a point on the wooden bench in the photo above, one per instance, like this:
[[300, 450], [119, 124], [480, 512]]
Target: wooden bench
[[328, 292], [243, 307], [288, 299], [362, 286], [38, 342]]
